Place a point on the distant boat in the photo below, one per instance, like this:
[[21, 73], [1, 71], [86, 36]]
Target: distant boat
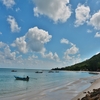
[[93, 73], [38, 72], [50, 71], [13, 70], [22, 78]]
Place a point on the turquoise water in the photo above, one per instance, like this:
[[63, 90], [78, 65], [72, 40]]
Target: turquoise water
[[38, 81]]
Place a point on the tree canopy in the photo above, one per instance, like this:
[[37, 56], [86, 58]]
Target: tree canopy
[[92, 64]]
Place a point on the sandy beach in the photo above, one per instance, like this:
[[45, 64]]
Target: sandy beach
[[94, 85]]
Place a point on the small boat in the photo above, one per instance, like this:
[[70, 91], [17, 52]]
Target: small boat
[[22, 78], [38, 72], [13, 70], [96, 73], [50, 71]]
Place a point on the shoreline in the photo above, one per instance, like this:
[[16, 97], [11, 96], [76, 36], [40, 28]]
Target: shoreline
[[65, 92], [94, 85], [69, 91]]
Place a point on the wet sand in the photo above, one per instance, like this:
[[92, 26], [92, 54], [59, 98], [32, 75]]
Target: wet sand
[[94, 85]]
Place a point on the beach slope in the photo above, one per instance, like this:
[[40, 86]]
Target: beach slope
[[94, 85]]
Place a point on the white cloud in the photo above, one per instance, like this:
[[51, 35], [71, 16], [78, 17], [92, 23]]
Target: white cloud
[[64, 41], [70, 60], [71, 52], [2, 45], [95, 20], [32, 57], [67, 57], [97, 34], [82, 14], [8, 58], [21, 44], [8, 54], [36, 38], [57, 10], [50, 55], [34, 41], [89, 31], [17, 9], [13, 24], [8, 3]]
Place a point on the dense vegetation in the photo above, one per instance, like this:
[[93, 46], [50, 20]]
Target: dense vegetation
[[92, 64]]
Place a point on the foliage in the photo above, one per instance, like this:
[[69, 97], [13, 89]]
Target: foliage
[[92, 64]]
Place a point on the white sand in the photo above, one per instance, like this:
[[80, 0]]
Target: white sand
[[95, 85]]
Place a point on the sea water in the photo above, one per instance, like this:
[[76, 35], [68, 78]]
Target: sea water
[[47, 85]]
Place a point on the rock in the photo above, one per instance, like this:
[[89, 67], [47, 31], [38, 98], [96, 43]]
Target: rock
[[95, 95]]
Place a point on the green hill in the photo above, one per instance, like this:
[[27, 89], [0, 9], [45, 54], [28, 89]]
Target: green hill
[[92, 64]]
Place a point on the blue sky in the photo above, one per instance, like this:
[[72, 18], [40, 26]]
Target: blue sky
[[48, 33]]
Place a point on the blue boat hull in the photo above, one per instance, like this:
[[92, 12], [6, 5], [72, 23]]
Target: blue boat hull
[[21, 78]]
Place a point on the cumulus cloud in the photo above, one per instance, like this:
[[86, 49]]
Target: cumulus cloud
[[50, 55], [68, 54], [2, 45], [97, 35], [36, 38], [57, 10], [95, 20], [33, 40], [32, 57], [8, 54], [71, 55], [64, 41], [72, 50], [13, 24], [8, 3], [82, 14], [67, 57], [21, 44]]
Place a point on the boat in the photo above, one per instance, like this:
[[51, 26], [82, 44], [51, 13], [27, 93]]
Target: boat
[[38, 72], [22, 78], [13, 70], [50, 71], [96, 73]]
